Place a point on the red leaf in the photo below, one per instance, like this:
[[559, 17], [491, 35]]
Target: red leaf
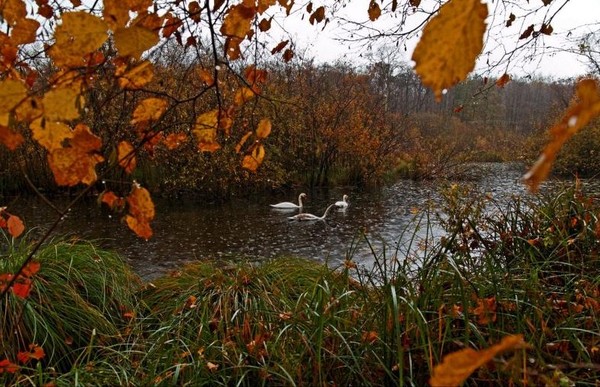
[[8, 367], [15, 225]]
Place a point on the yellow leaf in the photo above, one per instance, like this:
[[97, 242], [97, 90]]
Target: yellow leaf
[[115, 13], [134, 40], [374, 10], [25, 31], [264, 128], [136, 77], [240, 144], [50, 135], [63, 103], [207, 139], [141, 211], [451, 42], [252, 161], [29, 110], [148, 110], [126, 156], [12, 92], [238, 21], [458, 366], [79, 34], [584, 108]]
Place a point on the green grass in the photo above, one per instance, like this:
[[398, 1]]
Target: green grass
[[520, 266]]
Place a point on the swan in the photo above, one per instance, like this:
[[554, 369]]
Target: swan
[[306, 216], [342, 203], [290, 204]]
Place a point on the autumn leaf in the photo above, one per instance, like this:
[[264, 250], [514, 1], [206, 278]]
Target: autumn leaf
[[115, 13], [503, 80], [264, 25], [35, 352], [485, 310], [7, 367], [172, 24], [280, 46], [288, 55], [134, 40], [174, 140], [252, 161], [264, 128], [317, 16], [458, 366], [12, 92], [126, 156], [546, 29], [584, 107], [240, 144], [9, 138], [147, 111], [511, 19], [113, 201], [79, 34], [63, 103], [15, 226], [141, 211], [25, 31], [242, 96], [527, 33], [75, 162], [238, 21], [450, 43], [50, 135], [137, 77], [206, 77], [254, 75], [374, 10]]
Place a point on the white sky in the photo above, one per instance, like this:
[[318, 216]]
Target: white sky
[[577, 16]]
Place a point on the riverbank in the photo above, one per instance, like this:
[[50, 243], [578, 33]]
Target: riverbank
[[528, 268]]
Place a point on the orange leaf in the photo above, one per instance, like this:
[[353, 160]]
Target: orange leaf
[[242, 96], [31, 268], [240, 144], [13, 11], [63, 103], [264, 128], [141, 211], [253, 161], [15, 226], [450, 43], [485, 310], [11, 94], [374, 10], [8, 367], [115, 13], [50, 135], [22, 287], [254, 75], [35, 352], [25, 31], [113, 201], [126, 156], [238, 21], [206, 77], [503, 80], [10, 139], [584, 108], [458, 366], [174, 140]]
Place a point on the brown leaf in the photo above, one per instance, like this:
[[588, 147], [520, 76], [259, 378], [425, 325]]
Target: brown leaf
[[240, 144], [238, 21], [527, 33], [511, 19], [450, 43], [252, 161], [134, 40], [147, 111], [503, 80], [126, 156], [115, 13], [79, 34], [136, 77], [583, 108], [254, 75], [172, 24], [12, 92], [317, 16], [288, 55], [242, 96], [458, 366], [141, 211], [25, 31], [264, 25], [13, 11], [485, 310], [9, 138], [374, 10], [546, 29], [280, 46], [414, 3]]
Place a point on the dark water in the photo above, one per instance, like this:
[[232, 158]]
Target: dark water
[[185, 230]]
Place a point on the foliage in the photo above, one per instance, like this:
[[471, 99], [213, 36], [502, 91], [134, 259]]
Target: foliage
[[579, 155]]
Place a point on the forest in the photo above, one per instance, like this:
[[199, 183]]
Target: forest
[[115, 104]]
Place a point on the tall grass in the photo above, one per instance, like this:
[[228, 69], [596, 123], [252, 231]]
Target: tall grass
[[517, 266]]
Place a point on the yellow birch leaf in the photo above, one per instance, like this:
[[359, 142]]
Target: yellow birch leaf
[[240, 144], [148, 110], [63, 103], [458, 366], [12, 11], [9, 138], [51, 135], [264, 128], [450, 44], [115, 13], [238, 21], [137, 77], [252, 161], [79, 34], [374, 10], [584, 108], [25, 31], [126, 156], [12, 92], [133, 41]]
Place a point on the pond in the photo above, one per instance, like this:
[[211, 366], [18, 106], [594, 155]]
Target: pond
[[186, 230]]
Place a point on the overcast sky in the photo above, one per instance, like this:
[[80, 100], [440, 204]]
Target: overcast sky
[[575, 16]]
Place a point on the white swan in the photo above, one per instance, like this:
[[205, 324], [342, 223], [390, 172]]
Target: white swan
[[342, 203], [290, 204], [306, 216]]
